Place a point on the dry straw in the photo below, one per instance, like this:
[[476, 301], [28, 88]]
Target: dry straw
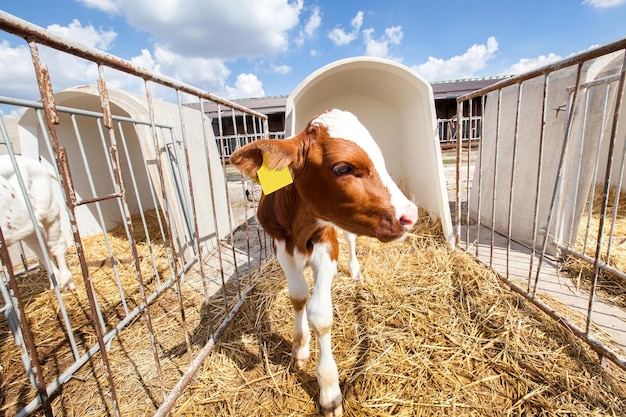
[[428, 332], [609, 286]]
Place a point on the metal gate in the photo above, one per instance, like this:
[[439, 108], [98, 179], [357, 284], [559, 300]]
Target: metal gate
[[544, 187], [159, 232]]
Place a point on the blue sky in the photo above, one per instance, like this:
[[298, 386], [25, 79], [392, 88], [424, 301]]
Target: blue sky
[[251, 48]]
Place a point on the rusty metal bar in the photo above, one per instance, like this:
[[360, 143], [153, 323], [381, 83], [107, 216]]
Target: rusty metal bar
[[47, 97]]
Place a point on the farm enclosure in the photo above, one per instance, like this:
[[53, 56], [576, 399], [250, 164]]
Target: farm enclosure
[[429, 332]]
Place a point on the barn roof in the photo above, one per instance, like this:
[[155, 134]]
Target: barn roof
[[457, 88], [265, 105], [276, 104]]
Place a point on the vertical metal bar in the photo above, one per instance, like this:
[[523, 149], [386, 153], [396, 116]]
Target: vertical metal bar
[[258, 135], [230, 214], [207, 153], [518, 107], [140, 204], [467, 178], [571, 236], [129, 225], [544, 106], [595, 168], [559, 175], [616, 199], [459, 144], [223, 161], [196, 235], [480, 173], [245, 203], [605, 196], [495, 178], [40, 241], [35, 372], [47, 98], [207, 150], [100, 215]]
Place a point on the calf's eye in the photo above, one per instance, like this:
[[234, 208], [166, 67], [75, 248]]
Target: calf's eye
[[342, 169]]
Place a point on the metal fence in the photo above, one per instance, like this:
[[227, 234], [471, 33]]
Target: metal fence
[[159, 232], [544, 190], [470, 126], [230, 143]]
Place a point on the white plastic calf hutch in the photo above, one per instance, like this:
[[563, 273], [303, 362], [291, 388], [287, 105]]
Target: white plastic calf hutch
[[137, 155], [396, 105]]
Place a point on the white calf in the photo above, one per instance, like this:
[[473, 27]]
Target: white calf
[[16, 223]]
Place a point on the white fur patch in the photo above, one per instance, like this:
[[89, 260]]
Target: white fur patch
[[345, 125]]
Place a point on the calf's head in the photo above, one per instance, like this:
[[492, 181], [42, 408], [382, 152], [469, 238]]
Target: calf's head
[[339, 174]]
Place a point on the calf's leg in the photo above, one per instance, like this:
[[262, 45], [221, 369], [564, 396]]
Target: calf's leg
[[353, 261], [320, 311], [293, 266]]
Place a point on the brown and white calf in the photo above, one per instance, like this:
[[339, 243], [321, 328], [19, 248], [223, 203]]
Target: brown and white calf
[[16, 222], [339, 181]]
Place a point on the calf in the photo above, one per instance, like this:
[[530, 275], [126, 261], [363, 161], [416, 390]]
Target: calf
[[16, 222], [339, 180]]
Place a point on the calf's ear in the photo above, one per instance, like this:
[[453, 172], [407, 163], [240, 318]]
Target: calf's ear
[[278, 154]]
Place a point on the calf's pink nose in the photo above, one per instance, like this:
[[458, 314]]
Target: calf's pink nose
[[409, 216]]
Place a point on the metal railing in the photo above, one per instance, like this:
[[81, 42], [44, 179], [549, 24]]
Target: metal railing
[[552, 140], [447, 128], [153, 221], [230, 143]]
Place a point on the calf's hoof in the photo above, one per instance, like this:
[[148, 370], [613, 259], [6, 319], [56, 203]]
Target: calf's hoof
[[331, 402], [335, 411], [299, 363]]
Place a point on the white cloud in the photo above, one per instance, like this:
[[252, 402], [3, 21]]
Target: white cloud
[[357, 21], [314, 22], [604, 4], [109, 6], [247, 85], [341, 37], [220, 29], [86, 35], [17, 76], [380, 47], [394, 34], [460, 66], [529, 64], [281, 69]]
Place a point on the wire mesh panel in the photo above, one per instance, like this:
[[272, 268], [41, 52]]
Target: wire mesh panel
[[161, 237], [543, 191]]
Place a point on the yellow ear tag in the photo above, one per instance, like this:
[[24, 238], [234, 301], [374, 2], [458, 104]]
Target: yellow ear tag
[[271, 179]]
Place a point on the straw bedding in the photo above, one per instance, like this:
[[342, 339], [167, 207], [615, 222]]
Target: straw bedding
[[429, 332], [610, 287]]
